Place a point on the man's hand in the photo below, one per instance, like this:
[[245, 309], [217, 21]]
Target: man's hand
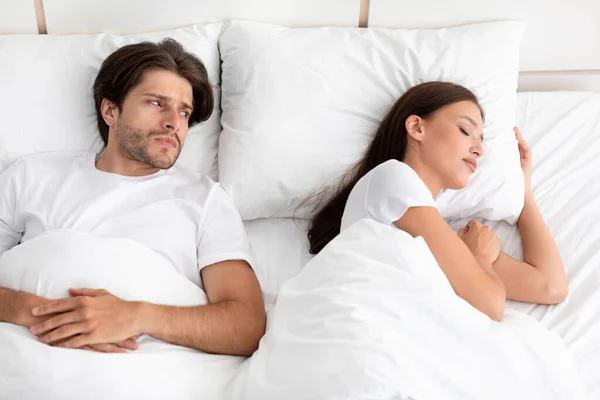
[[25, 317], [121, 347], [27, 320], [90, 319]]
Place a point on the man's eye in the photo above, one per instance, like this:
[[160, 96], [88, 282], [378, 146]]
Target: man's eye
[[154, 102]]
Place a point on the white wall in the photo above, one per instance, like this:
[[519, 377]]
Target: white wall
[[17, 16], [128, 16], [562, 34]]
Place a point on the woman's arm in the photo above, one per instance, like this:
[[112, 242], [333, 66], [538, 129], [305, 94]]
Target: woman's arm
[[540, 278], [477, 284]]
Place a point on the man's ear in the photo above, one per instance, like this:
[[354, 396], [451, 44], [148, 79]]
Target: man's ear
[[414, 127], [109, 111]]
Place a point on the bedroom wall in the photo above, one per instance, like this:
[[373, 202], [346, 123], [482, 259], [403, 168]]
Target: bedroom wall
[[561, 50], [17, 16]]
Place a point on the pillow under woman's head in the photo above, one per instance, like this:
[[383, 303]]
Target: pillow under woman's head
[[301, 105]]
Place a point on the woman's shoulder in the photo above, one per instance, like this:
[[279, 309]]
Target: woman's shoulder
[[385, 193], [392, 172], [394, 182]]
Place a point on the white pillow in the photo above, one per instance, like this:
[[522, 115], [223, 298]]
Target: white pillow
[[55, 261], [281, 249], [300, 106], [47, 102]]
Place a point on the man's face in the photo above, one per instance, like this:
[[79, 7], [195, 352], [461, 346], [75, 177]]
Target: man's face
[[153, 122]]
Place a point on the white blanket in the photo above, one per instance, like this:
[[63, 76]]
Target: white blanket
[[373, 317], [563, 129], [52, 263]]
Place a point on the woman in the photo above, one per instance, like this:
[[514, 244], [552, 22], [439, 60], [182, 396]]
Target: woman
[[430, 141]]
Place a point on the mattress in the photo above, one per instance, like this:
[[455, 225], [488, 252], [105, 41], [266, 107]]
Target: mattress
[[563, 129]]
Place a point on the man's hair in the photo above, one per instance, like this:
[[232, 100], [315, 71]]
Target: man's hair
[[123, 70]]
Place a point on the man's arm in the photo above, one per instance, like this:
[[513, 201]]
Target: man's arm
[[15, 307], [232, 323]]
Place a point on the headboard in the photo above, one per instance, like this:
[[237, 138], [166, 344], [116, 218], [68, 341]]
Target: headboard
[[561, 50]]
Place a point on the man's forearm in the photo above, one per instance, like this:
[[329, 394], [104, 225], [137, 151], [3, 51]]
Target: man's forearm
[[12, 304], [228, 327]]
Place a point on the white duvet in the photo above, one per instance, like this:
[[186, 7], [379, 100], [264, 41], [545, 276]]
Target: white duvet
[[52, 263], [563, 129], [374, 317], [371, 317]]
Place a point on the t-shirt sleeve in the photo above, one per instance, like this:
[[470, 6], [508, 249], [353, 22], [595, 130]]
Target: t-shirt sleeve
[[394, 188], [11, 181], [223, 236]]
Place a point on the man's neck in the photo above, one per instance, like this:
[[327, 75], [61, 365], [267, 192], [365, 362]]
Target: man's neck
[[111, 161]]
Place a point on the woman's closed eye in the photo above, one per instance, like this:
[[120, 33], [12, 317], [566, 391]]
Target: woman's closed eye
[[464, 132]]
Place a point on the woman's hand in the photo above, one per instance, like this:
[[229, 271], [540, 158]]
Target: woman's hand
[[482, 241], [526, 159]]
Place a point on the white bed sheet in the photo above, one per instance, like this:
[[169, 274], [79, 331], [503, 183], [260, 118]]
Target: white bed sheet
[[281, 249], [564, 132], [563, 129]]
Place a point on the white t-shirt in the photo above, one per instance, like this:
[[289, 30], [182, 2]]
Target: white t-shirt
[[184, 216], [385, 193]]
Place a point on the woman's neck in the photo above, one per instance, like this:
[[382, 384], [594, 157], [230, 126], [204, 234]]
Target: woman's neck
[[431, 180]]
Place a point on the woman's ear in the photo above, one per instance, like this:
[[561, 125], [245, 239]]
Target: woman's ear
[[414, 127], [109, 111]]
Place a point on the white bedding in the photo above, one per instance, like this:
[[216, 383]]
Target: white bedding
[[374, 317], [563, 129], [281, 250], [52, 263], [564, 132]]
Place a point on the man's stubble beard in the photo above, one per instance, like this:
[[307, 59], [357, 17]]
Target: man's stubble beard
[[134, 144]]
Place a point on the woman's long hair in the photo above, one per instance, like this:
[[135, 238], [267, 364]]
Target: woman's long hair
[[389, 143]]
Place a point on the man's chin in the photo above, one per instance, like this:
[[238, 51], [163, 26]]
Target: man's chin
[[164, 164], [164, 160], [161, 163]]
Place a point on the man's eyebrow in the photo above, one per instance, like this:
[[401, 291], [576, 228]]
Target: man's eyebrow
[[188, 106], [168, 99]]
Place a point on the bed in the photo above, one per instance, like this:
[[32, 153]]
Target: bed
[[557, 107]]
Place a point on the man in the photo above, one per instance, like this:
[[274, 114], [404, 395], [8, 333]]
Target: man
[[147, 96]]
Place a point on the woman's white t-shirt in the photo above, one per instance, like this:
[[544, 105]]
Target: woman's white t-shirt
[[385, 193]]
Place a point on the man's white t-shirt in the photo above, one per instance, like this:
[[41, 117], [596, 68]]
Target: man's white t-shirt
[[184, 216], [385, 193]]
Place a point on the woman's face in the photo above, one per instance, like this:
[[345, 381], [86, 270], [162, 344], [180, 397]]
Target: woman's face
[[451, 143]]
